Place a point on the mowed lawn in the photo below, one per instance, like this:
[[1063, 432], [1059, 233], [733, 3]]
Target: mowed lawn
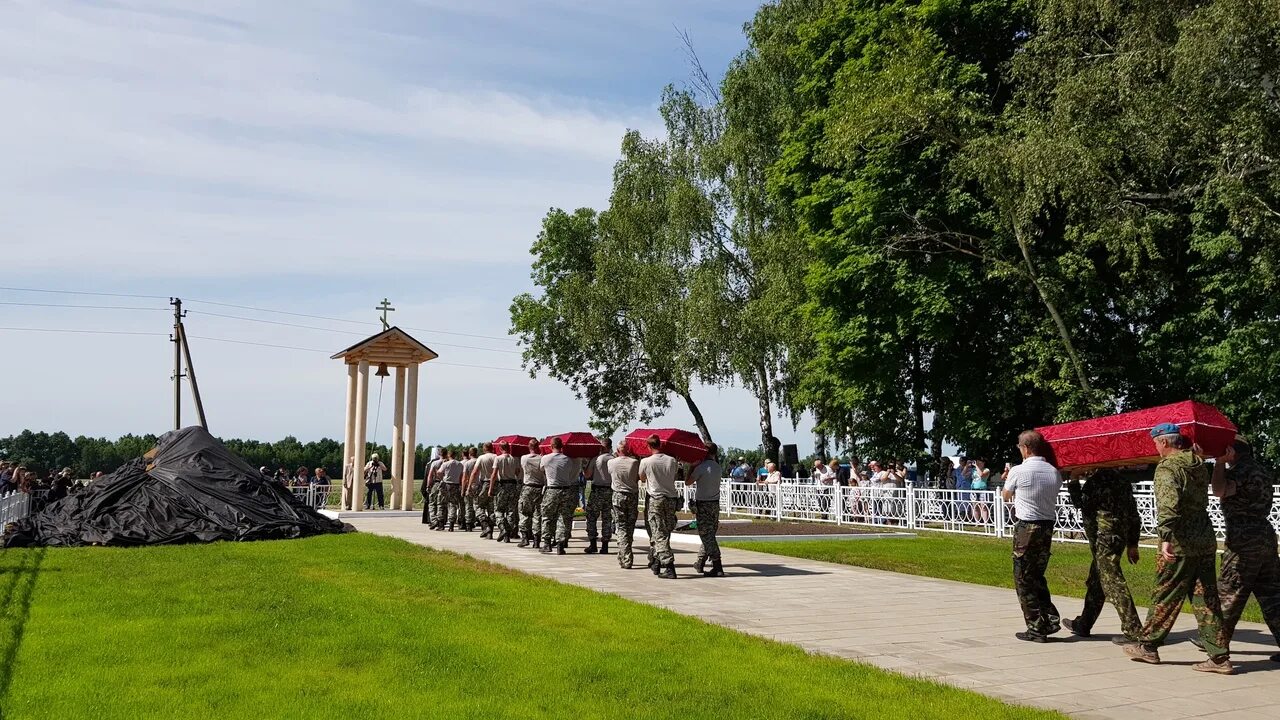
[[968, 558], [358, 626]]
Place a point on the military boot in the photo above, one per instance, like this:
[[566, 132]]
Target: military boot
[[524, 540], [668, 571], [604, 547], [591, 549], [717, 570], [546, 548], [502, 536], [537, 539], [655, 567], [700, 565], [560, 546]]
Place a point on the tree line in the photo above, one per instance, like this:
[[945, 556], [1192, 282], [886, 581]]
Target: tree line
[[996, 214], [46, 453]]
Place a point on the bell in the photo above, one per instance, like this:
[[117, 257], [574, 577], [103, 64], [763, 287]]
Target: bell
[[382, 370]]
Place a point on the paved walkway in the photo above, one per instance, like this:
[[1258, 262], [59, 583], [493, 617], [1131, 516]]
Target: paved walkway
[[954, 632]]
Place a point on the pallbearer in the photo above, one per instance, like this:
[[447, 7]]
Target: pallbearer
[[1112, 526], [531, 497], [431, 498], [505, 481], [468, 519], [625, 473], [706, 481], [450, 490], [559, 497], [600, 503], [658, 472], [480, 476]]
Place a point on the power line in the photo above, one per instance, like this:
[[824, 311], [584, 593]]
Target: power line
[[229, 340], [82, 307], [333, 330], [247, 307], [85, 292]]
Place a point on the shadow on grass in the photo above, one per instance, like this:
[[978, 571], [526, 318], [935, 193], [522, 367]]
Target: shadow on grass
[[15, 608]]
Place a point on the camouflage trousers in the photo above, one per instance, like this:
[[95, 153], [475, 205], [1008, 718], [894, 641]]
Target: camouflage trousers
[[469, 516], [450, 503], [662, 522], [707, 515], [626, 507], [1250, 570], [600, 513], [506, 501], [434, 503], [530, 508], [1176, 580], [1032, 544], [484, 506], [558, 504], [1105, 584], [428, 506]]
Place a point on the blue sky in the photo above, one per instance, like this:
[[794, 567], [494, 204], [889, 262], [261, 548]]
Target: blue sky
[[312, 158]]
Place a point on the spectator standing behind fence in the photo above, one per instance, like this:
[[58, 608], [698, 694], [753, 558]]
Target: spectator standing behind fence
[[981, 482], [1186, 565], [1033, 488], [771, 474], [739, 471]]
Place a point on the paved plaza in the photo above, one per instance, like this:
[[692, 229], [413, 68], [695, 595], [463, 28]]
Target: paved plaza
[[957, 633]]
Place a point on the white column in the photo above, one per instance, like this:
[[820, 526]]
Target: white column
[[397, 443], [349, 438], [361, 438], [410, 438]]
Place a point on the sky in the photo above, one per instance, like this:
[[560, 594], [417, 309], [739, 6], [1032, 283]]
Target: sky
[[312, 159]]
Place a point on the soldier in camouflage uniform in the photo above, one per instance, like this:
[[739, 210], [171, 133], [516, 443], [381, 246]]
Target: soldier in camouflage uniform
[[559, 498], [1250, 564], [625, 472], [1112, 525], [705, 478], [530, 504], [479, 484], [599, 509], [450, 491], [1188, 554], [430, 494], [658, 473], [505, 482], [468, 518]]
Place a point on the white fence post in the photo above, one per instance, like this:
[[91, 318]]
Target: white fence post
[[777, 502], [997, 506], [911, 507]]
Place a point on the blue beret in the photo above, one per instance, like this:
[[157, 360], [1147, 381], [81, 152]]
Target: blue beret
[[1165, 429]]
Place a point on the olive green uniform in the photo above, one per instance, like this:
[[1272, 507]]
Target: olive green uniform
[[1250, 564], [1112, 525]]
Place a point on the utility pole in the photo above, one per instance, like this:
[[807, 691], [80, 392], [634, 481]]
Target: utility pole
[[176, 337], [191, 375]]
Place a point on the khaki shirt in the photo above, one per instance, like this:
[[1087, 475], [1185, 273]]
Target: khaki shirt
[[508, 467], [531, 466], [707, 475], [600, 470], [625, 472], [484, 466], [452, 472], [659, 471], [561, 470]]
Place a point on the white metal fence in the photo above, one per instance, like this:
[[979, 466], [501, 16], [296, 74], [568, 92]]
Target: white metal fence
[[317, 496], [976, 512], [14, 506]]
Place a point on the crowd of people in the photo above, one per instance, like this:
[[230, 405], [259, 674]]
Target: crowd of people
[[1186, 567], [532, 498], [53, 486]]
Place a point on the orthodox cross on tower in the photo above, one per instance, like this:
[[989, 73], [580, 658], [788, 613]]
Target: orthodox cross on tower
[[385, 307]]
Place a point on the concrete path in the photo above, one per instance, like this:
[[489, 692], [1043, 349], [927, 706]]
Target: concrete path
[[957, 633]]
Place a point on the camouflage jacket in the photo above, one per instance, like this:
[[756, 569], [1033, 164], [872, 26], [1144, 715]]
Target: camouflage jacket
[[1182, 505], [1247, 510], [1109, 511]]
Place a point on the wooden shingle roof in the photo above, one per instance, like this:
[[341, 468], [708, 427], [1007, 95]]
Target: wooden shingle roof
[[393, 346]]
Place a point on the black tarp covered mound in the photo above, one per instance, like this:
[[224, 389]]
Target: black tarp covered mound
[[192, 490]]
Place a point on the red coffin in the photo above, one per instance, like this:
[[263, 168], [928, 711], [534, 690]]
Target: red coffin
[[680, 444], [1125, 439], [580, 445], [519, 444]]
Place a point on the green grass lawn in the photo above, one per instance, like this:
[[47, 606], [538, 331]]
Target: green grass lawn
[[359, 626], [968, 558]]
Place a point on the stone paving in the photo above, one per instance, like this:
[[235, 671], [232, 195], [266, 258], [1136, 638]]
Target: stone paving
[[954, 632]]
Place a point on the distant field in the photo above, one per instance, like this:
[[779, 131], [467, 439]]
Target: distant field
[[359, 626]]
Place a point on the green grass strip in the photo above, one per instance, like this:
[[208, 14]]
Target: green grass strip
[[360, 626]]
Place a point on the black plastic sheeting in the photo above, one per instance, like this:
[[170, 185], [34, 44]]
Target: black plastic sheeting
[[195, 491]]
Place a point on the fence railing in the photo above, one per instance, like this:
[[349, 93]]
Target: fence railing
[[975, 512], [317, 496], [14, 506]]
